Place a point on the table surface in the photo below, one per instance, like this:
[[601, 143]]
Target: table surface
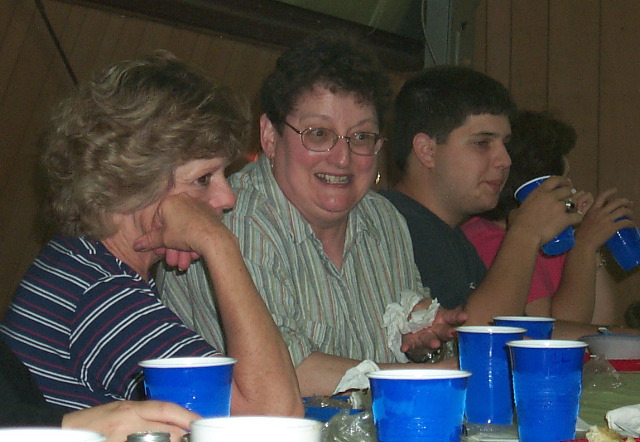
[[598, 397], [596, 401]]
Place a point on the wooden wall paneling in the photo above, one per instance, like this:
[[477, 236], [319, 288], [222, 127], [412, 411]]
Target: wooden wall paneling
[[573, 81], [105, 54], [7, 9], [10, 52], [529, 53], [479, 62], [9, 36], [219, 57], [89, 27], [24, 108], [125, 43], [201, 49], [179, 42], [499, 40], [619, 108], [153, 36]]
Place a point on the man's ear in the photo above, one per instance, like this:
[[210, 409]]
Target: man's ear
[[268, 134], [424, 148]]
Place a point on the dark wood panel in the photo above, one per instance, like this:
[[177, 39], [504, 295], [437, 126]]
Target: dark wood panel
[[619, 130], [499, 31], [480, 37], [529, 53], [573, 82]]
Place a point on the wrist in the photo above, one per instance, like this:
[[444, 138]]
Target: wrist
[[425, 355]]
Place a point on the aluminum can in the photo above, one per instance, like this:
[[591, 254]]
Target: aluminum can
[[149, 436]]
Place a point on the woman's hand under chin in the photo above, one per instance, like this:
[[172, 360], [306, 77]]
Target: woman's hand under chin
[[184, 228]]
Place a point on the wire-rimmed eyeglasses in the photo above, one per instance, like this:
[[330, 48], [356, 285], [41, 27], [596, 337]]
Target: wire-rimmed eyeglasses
[[319, 139]]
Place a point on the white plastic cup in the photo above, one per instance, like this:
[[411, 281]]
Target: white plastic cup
[[41, 434], [256, 428]]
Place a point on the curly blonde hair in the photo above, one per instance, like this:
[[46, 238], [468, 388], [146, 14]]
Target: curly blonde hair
[[115, 142]]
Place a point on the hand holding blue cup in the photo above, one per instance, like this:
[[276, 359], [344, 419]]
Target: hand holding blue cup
[[199, 384], [565, 240], [624, 246]]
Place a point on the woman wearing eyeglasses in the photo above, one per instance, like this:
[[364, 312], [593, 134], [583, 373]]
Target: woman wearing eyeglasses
[[327, 254]]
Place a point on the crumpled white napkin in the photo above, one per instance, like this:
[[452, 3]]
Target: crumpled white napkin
[[356, 378], [396, 323], [625, 420]]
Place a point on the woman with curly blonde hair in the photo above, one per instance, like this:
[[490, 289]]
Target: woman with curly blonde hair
[[135, 163]]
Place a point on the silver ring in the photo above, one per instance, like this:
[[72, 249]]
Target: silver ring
[[569, 205]]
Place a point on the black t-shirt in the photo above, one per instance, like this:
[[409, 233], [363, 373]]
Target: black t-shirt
[[21, 401], [448, 263]]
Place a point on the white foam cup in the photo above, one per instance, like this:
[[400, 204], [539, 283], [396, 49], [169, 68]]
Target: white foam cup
[[262, 428]]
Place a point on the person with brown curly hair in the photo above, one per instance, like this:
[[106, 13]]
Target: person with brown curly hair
[[135, 162]]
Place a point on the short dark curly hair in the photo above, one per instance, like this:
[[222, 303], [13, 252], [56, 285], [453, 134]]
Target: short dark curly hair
[[115, 142], [330, 59], [539, 142], [439, 100]]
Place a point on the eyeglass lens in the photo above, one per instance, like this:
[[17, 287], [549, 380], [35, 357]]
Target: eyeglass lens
[[322, 140]]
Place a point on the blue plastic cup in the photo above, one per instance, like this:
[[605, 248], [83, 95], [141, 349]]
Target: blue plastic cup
[[565, 239], [538, 327], [418, 405], [200, 384], [547, 383], [624, 246], [483, 352]]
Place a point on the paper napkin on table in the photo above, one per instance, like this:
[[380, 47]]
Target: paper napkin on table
[[625, 420], [356, 378]]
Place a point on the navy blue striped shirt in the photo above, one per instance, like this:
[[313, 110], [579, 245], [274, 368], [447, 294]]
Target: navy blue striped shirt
[[82, 320]]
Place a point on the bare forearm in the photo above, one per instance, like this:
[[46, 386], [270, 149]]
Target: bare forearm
[[575, 298], [264, 378], [320, 373], [575, 330]]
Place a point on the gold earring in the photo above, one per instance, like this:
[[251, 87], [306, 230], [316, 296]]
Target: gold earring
[[378, 178]]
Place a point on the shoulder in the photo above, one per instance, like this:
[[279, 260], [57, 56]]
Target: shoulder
[[379, 209], [383, 219]]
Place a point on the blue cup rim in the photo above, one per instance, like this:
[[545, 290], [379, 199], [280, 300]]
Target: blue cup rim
[[188, 362], [547, 343], [533, 180], [490, 329], [418, 374]]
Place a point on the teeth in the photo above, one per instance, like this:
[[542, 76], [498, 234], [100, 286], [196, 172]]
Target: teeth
[[333, 179]]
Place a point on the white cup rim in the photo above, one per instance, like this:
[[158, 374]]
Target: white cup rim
[[525, 318], [272, 421], [418, 374], [543, 177], [187, 362], [490, 329], [547, 343], [40, 432]]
